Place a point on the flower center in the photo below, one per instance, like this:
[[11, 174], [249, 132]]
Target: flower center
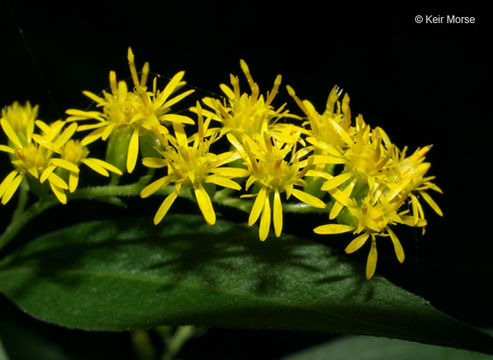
[[31, 157], [74, 152]]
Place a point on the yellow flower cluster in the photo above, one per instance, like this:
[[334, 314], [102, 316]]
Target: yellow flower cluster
[[190, 163], [50, 155], [362, 170], [327, 160], [140, 111], [375, 181]]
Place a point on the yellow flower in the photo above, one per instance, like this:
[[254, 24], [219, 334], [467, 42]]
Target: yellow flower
[[273, 172], [72, 154], [190, 164], [141, 110], [329, 130], [366, 156], [365, 159], [372, 217], [19, 121], [33, 160], [249, 114], [406, 175]]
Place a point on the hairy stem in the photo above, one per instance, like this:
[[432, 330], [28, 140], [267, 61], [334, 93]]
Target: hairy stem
[[222, 197], [22, 216], [110, 194], [18, 222], [23, 198]]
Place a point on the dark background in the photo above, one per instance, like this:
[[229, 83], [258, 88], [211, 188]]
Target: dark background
[[423, 83]]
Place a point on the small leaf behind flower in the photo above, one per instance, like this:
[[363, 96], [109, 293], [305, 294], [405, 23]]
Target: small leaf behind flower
[[129, 274], [372, 348]]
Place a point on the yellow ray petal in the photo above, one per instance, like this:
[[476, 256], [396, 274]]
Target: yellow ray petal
[[371, 262], [327, 159], [233, 141], [399, 251], [93, 136], [106, 165], [171, 86], [336, 181], [163, 209], [326, 147], [342, 198], [91, 126], [107, 131], [46, 173], [131, 65], [177, 98], [357, 243], [431, 202], [342, 133], [11, 188], [95, 166], [6, 182], [133, 151], [227, 91], [64, 164], [7, 149], [153, 187], [73, 181], [414, 203], [10, 132], [264, 228], [205, 205], [177, 118], [318, 173], [222, 181], [308, 199], [65, 136], [155, 163], [257, 207], [332, 229], [250, 181], [60, 195], [180, 135], [44, 127], [94, 98], [409, 221], [57, 181], [277, 213]]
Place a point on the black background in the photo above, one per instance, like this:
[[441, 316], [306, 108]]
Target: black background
[[423, 83]]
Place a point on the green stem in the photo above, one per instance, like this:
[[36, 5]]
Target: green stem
[[18, 222], [221, 197], [23, 198], [21, 216], [302, 208], [98, 192], [174, 343]]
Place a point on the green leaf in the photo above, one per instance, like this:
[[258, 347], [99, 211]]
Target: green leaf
[[128, 274], [22, 344], [3, 355], [371, 348]]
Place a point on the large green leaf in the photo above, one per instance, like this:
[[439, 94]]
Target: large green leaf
[[372, 348], [119, 275]]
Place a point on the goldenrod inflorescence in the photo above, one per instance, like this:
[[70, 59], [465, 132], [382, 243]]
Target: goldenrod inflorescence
[[327, 161]]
